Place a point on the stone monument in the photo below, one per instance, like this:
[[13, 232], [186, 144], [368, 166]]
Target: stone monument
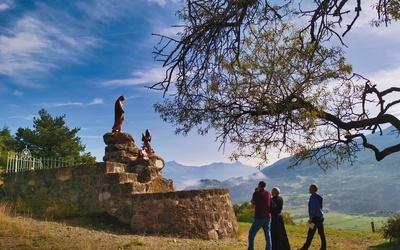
[[130, 188]]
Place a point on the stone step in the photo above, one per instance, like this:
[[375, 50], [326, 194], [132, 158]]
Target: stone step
[[121, 178]]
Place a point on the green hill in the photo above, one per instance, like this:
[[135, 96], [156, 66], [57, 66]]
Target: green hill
[[366, 187]]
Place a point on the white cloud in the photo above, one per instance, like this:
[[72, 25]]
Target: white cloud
[[153, 75], [96, 101], [188, 183], [169, 31], [101, 9], [65, 104], [362, 25], [6, 4], [17, 93], [32, 47], [22, 44], [25, 117], [160, 2], [109, 10], [386, 77], [3, 7]]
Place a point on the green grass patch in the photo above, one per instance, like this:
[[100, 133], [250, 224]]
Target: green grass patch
[[350, 222], [338, 239]]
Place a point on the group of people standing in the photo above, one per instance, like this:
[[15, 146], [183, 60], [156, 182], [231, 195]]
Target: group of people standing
[[267, 215]]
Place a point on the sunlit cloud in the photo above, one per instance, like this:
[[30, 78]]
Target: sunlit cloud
[[6, 4], [386, 77], [363, 22], [160, 2], [3, 7], [17, 93], [188, 183], [109, 10], [95, 101], [102, 9], [24, 117], [163, 2], [396, 111], [38, 46], [65, 104], [139, 77], [168, 31]]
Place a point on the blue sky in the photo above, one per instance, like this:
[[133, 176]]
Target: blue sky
[[77, 57]]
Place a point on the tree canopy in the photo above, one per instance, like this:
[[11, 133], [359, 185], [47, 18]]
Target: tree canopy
[[7, 143], [51, 138], [268, 77]]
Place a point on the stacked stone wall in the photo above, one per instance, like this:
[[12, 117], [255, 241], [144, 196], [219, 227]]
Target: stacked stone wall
[[205, 214], [101, 187], [129, 188]]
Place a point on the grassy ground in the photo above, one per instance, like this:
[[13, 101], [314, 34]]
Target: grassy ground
[[351, 222], [23, 232]]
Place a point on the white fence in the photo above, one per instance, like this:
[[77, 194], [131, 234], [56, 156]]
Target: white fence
[[19, 162]]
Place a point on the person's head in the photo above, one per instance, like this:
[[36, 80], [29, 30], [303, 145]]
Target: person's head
[[275, 191], [262, 184], [121, 98], [313, 188]]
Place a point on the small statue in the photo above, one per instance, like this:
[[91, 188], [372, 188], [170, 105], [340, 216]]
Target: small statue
[[146, 148], [146, 139], [119, 115]]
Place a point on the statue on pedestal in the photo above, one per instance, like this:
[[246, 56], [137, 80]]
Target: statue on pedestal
[[119, 115], [146, 148]]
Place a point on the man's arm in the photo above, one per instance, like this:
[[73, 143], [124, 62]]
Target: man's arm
[[253, 203], [313, 207]]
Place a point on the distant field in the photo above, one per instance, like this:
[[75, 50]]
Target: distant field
[[351, 222]]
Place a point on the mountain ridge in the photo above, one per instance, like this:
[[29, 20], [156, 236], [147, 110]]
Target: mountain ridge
[[184, 175]]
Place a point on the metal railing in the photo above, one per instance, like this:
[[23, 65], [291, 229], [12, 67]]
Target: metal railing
[[19, 162]]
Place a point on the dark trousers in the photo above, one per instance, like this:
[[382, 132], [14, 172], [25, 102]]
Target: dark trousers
[[318, 221]]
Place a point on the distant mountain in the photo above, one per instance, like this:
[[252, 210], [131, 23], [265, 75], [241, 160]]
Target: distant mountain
[[367, 186], [184, 176]]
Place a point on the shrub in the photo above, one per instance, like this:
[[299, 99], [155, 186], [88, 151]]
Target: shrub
[[287, 218], [245, 213], [391, 229]]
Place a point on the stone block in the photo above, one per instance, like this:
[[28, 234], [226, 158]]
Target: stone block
[[87, 169], [115, 167], [120, 178], [121, 138]]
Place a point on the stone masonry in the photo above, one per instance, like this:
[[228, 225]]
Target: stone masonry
[[132, 189]]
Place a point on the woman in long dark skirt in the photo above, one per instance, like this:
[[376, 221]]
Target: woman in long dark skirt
[[279, 237]]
